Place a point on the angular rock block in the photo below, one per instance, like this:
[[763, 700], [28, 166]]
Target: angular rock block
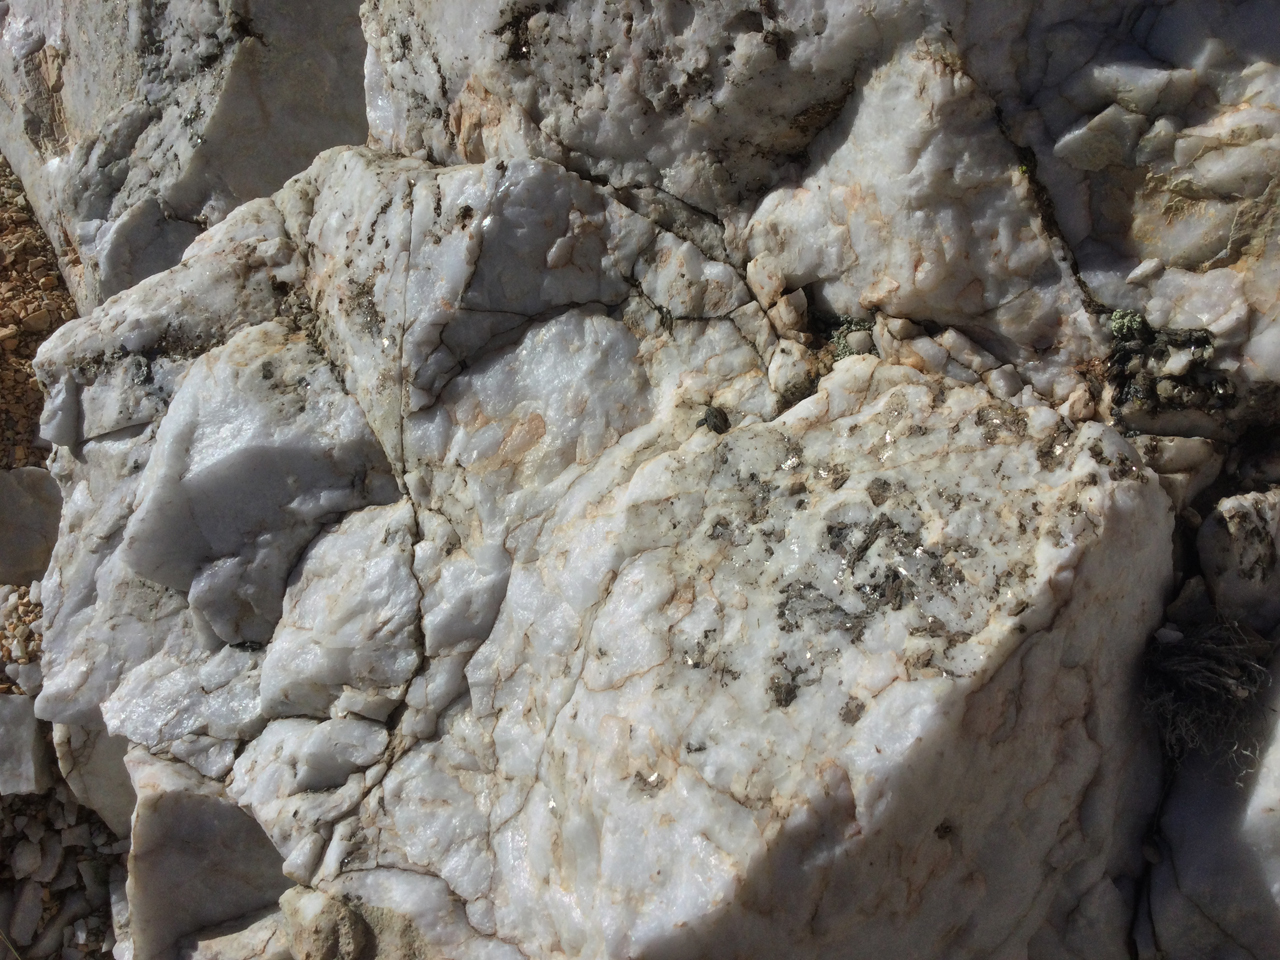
[[197, 860], [24, 757], [29, 506], [630, 664]]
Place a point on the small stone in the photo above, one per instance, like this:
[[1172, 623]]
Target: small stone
[[25, 859], [715, 420], [859, 342], [26, 913], [37, 322]]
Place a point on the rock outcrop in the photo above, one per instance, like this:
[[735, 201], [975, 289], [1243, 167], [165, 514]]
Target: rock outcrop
[[136, 125], [701, 480]]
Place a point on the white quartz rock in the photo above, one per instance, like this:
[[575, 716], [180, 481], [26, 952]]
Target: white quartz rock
[[1186, 465], [258, 448], [92, 763], [133, 130], [1157, 141], [450, 263], [1213, 302], [29, 506], [336, 749], [266, 938], [1107, 139], [107, 621], [915, 204], [677, 276], [111, 376], [704, 101], [196, 698], [119, 367], [606, 730], [362, 637], [526, 421], [24, 758], [197, 859], [1238, 553], [284, 778]]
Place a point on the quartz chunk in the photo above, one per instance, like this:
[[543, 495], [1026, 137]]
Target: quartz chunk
[[364, 637], [197, 859], [285, 778], [1238, 552], [29, 505], [24, 759], [111, 376], [92, 763], [196, 699], [915, 205], [258, 448]]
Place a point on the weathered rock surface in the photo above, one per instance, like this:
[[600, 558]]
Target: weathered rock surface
[[135, 125], [703, 480], [566, 624]]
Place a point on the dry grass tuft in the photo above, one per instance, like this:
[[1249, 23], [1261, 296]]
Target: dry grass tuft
[[1202, 684]]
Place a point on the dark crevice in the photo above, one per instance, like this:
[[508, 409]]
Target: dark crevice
[[1028, 165]]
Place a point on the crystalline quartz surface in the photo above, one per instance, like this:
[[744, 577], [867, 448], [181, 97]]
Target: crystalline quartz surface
[[699, 481]]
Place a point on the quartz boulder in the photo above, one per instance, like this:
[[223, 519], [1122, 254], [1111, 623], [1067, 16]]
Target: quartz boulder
[[135, 126]]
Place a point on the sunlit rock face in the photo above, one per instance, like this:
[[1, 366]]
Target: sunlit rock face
[[698, 482], [613, 670], [136, 125]]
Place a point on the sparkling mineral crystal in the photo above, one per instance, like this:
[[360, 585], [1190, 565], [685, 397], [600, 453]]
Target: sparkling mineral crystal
[[700, 481]]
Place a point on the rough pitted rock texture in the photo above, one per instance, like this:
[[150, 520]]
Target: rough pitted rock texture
[[567, 622], [703, 480]]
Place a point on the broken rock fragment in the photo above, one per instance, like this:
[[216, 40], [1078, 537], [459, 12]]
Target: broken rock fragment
[[24, 758]]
